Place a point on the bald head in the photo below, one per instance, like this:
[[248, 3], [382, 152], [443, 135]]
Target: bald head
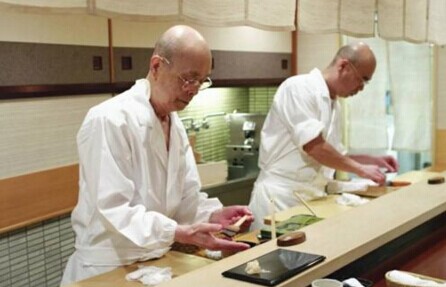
[[179, 40], [179, 66], [357, 53], [351, 68]]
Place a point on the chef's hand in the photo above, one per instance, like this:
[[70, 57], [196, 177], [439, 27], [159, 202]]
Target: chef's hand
[[229, 215], [388, 162], [372, 172], [202, 235]]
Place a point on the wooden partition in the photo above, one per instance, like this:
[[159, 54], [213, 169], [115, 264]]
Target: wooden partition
[[34, 197], [440, 147]]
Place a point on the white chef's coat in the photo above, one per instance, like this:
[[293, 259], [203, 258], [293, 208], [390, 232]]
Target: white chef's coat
[[133, 192], [302, 109]]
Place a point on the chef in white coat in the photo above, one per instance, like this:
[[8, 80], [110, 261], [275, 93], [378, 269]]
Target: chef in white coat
[[139, 185], [301, 137]]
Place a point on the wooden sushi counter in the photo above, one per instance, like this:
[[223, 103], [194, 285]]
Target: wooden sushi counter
[[356, 241]]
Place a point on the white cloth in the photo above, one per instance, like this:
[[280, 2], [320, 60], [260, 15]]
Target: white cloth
[[410, 20], [407, 279], [353, 282], [150, 275], [351, 17], [349, 199], [133, 192], [367, 120], [410, 71], [277, 15], [301, 110]]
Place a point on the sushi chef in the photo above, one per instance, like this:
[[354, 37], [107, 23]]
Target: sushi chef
[[301, 137], [139, 185]]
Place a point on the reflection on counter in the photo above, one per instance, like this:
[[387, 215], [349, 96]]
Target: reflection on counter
[[242, 152]]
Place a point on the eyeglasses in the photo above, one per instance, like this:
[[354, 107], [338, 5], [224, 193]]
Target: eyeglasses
[[193, 83], [358, 75]]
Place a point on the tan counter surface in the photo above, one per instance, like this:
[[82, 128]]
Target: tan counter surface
[[342, 238], [181, 263], [324, 207], [327, 207]]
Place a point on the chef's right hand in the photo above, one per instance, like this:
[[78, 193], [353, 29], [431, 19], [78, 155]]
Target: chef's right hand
[[372, 172], [202, 235]]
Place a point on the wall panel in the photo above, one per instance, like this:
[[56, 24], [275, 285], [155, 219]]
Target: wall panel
[[39, 134], [65, 29], [247, 39]]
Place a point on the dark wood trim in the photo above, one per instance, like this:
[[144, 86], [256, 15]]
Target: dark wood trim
[[294, 39], [110, 51], [246, 82], [38, 91]]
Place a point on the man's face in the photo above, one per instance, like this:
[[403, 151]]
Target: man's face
[[353, 78], [181, 80]]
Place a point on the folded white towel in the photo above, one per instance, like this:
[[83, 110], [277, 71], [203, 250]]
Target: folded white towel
[[150, 275], [353, 282], [407, 279], [351, 200]]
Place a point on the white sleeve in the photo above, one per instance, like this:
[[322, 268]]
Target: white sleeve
[[105, 156], [299, 112]]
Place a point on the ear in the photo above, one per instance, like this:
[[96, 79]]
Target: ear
[[341, 65], [155, 63]]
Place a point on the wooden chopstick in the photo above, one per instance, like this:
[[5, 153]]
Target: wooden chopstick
[[305, 203]]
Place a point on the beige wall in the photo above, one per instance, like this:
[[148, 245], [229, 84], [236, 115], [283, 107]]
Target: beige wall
[[315, 50], [144, 34], [53, 29]]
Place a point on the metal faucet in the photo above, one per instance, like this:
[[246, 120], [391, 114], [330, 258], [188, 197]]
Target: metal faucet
[[192, 126], [205, 123]]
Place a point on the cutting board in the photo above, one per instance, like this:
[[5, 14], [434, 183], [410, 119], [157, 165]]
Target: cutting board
[[376, 191]]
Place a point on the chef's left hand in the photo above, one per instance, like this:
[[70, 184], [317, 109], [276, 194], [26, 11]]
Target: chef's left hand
[[229, 215]]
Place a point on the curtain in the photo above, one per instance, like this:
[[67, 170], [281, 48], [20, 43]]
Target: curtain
[[410, 74], [403, 72], [277, 15], [366, 118], [410, 20]]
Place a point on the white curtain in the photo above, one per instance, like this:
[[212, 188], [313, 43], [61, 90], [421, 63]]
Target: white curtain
[[353, 17], [410, 74], [403, 70], [367, 120], [277, 15], [409, 20]]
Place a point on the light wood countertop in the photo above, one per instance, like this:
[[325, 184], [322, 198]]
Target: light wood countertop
[[324, 207], [342, 237], [181, 263]]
